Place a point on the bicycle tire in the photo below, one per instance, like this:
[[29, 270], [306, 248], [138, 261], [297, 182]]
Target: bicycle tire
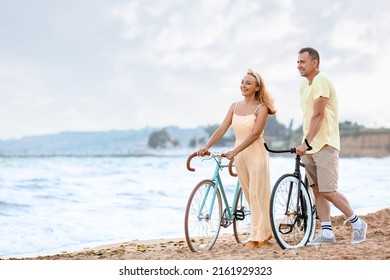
[[313, 210], [291, 228], [201, 230], [242, 222], [314, 215]]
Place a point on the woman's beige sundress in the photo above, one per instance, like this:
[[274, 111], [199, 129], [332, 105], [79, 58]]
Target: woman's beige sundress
[[252, 167]]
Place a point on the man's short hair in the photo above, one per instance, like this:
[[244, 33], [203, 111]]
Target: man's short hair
[[313, 54]]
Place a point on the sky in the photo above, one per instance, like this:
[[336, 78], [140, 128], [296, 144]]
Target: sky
[[94, 65]]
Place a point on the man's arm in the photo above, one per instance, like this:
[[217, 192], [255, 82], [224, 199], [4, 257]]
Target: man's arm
[[315, 123], [317, 118]]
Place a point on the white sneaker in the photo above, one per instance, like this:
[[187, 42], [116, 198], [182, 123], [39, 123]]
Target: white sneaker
[[359, 235], [322, 240]]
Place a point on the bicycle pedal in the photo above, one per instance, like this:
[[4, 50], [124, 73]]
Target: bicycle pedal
[[239, 215]]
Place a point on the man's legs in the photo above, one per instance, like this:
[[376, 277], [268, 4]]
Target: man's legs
[[322, 169], [323, 213], [341, 203]]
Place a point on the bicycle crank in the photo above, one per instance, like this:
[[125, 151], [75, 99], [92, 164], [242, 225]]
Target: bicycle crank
[[225, 222]]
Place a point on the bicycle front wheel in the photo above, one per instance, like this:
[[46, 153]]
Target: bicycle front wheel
[[242, 218], [291, 212], [203, 217], [314, 213]]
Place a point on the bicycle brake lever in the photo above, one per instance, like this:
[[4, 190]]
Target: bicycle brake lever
[[207, 157]]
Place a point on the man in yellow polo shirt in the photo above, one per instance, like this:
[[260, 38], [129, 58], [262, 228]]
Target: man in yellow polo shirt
[[321, 145]]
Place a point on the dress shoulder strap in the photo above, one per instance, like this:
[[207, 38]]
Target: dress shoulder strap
[[258, 108], [235, 107]]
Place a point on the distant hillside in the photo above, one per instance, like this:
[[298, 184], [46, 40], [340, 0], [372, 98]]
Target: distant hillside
[[365, 143], [356, 141], [130, 142], [369, 143]]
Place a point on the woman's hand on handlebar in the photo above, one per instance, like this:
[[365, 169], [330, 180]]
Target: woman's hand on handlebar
[[202, 152], [230, 155]]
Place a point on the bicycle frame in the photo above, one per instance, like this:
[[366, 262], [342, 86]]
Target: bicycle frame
[[219, 186]]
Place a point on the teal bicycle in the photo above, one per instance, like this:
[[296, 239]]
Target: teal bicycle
[[208, 209]]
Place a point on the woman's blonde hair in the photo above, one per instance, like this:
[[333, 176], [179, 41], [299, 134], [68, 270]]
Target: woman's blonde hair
[[263, 95]]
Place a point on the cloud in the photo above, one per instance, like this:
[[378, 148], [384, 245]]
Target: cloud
[[128, 64]]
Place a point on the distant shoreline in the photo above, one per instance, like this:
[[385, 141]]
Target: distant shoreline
[[356, 141], [165, 153]]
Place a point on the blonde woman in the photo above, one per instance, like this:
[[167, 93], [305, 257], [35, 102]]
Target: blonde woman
[[248, 118]]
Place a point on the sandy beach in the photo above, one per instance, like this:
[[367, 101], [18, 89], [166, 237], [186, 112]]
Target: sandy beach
[[376, 247]]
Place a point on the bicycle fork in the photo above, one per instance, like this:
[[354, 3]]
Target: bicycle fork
[[296, 213], [207, 216], [287, 228]]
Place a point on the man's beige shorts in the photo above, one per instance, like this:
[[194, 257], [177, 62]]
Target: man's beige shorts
[[322, 168]]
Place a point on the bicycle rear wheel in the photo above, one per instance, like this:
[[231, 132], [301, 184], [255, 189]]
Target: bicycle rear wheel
[[292, 223], [313, 211], [202, 223], [242, 219]]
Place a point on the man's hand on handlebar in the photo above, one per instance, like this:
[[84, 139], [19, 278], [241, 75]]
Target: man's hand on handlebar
[[301, 149]]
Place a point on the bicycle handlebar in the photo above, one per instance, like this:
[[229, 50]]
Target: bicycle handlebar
[[191, 156], [230, 167], [291, 150]]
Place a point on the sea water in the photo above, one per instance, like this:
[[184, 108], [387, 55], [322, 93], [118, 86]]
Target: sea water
[[51, 205]]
